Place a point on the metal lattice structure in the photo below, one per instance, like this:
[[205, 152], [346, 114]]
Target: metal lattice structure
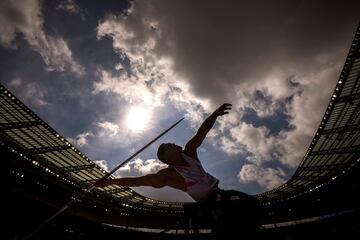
[[334, 150]]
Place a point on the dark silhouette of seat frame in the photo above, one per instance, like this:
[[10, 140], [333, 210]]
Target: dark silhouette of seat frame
[[224, 216]]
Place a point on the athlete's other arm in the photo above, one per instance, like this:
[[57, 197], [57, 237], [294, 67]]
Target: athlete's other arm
[[198, 138], [157, 180]]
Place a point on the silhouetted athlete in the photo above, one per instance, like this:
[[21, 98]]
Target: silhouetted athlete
[[185, 171]]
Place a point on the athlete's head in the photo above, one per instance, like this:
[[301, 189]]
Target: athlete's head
[[169, 152]]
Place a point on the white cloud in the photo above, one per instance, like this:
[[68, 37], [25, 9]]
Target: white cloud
[[255, 140], [151, 79], [69, 6], [26, 17], [139, 167], [16, 82], [306, 111], [268, 178], [103, 164], [132, 89], [111, 128], [150, 76], [229, 146], [81, 139], [31, 92]]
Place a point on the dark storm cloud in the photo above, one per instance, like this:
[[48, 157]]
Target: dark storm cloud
[[221, 43]]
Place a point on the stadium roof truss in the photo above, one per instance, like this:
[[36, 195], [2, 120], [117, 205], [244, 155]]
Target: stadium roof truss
[[334, 148]]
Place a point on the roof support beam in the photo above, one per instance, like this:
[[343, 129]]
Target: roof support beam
[[348, 98], [34, 151], [312, 178], [14, 125], [74, 168], [320, 168], [347, 128], [350, 149]]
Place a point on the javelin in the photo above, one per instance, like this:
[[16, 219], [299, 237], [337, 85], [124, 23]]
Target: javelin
[[89, 189]]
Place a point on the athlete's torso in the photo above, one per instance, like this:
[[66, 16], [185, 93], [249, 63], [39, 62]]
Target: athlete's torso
[[199, 183]]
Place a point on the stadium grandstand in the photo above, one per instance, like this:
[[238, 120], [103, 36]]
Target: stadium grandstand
[[42, 171]]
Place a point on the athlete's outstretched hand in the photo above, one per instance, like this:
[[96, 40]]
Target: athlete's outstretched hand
[[223, 109]]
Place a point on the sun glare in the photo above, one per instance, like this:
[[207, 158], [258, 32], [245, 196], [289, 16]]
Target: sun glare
[[137, 118]]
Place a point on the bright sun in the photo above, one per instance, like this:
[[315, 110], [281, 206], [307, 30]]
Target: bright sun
[[137, 118]]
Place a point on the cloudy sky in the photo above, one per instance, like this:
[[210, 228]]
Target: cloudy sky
[[111, 75]]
